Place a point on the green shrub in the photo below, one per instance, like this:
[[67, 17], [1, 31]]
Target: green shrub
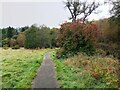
[[5, 42], [61, 53], [15, 36], [5, 46], [16, 47]]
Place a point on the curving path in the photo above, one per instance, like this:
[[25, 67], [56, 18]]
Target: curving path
[[46, 76]]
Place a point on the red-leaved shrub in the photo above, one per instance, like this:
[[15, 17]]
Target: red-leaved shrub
[[77, 36]]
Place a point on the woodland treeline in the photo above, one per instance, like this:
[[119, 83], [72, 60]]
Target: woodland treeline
[[29, 37]]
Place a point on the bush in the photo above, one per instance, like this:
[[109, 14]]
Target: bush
[[109, 49], [21, 39], [13, 42], [5, 42], [15, 36], [77, 37], [101, 52], [16, 47], [5, 46], [61, 53]]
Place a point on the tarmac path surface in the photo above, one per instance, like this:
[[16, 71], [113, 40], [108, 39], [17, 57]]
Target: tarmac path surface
[[46, 75]]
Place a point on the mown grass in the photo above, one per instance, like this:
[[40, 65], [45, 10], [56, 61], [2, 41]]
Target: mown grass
[[82, 71], [19, 67]]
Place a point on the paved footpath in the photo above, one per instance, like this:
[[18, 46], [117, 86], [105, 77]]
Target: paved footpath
[[46, 76]]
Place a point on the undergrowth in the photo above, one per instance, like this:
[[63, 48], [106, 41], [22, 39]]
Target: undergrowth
[[83, 71]]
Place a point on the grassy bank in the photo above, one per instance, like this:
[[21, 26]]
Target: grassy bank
[[19, 67], [87, 72]]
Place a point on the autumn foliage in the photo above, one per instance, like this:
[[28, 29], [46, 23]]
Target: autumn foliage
[[77, 37]]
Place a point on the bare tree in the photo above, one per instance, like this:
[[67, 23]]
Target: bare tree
[[116, 9], [77, 8]]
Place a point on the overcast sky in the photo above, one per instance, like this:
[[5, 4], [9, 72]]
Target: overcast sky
[[51, 13]]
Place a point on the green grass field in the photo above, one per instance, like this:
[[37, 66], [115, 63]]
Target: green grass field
[[19, 67]]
